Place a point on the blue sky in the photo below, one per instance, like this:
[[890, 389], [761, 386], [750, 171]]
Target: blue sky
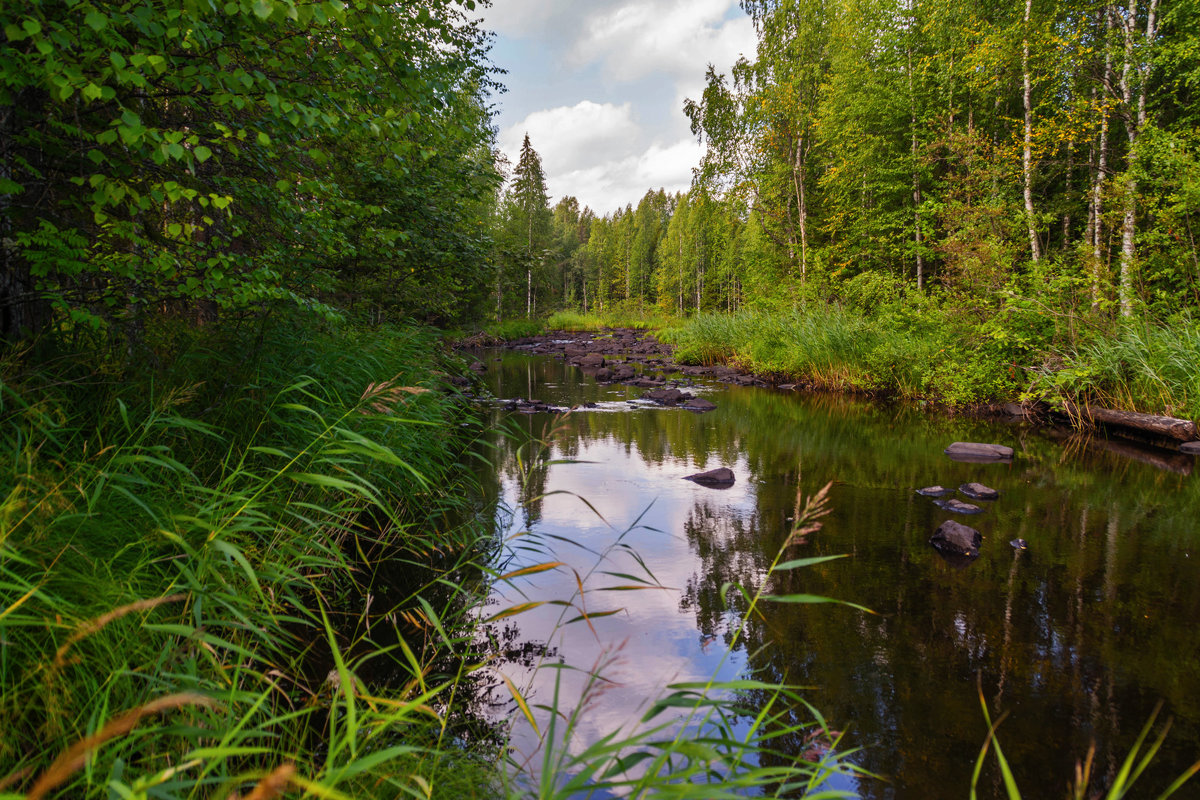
[[599, 86]]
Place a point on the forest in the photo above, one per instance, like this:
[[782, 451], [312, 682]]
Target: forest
[[244, 528], [1017, 183]]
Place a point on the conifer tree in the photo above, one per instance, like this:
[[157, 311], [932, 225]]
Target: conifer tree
[[529, 214]]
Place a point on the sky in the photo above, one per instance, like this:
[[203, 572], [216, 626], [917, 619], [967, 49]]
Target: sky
[[599, 86]]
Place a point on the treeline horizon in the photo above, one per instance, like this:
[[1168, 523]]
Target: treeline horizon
[[982, 150]]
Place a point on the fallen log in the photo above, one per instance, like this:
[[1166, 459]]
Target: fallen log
[[1183, 430]]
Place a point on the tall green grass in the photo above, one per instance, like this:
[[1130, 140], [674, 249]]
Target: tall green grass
[[188, 565], [1137, 366], [613, 318]]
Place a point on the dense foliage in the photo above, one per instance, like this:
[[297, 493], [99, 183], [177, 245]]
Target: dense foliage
[[198, 156]]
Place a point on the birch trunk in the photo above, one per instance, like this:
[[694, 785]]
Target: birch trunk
[[1027, 154]]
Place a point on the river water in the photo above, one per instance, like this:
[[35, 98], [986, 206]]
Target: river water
[[1076, 639]]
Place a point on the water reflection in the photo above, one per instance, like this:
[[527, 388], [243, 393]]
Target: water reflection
[[1077, 637]]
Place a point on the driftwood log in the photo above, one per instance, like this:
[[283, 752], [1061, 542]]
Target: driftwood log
[[1183, 430]]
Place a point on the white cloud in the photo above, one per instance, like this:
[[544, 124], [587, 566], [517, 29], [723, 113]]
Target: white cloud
[[563, 136], [677, 37], [635, 63]]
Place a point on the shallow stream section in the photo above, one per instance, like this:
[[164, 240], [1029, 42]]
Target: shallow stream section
[[1076, 639]]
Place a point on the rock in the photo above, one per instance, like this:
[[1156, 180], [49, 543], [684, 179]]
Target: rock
[[604, 374], [1190, 447], [623, 372], [699, 404], [478, 366], [956, 506], [666, 397], [590, 360], [955, 539], [1015, 410], [934, 491], [719, 478], [1019, 544], [977, 452], [977, 491]]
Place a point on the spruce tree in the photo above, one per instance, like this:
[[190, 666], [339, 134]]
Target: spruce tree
[[529, 213]]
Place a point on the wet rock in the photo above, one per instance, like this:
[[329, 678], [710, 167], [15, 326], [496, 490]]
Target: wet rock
[[699, 404], [644, 383], [590, 360], [623, 372], [1190, 447], [934, 491], [666, 397], [956, 506], [604, 374], [719, 478], [977, 491], [955, 539], [478, 366], [978, 452], [1019, 544]]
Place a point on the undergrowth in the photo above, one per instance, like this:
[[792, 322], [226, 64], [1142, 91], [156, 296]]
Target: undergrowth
[[185, 556]]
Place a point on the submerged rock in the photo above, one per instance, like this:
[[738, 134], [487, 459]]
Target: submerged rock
[[699, 404], [978, 452], [1190, 447], [977, 491], [719, 478], [955, 539], [666, 397], [956, 506], [934, 491]]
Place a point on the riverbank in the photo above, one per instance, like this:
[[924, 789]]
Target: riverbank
[[222, 572], [936, 359]]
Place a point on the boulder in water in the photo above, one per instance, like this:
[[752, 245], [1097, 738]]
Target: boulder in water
[[719, 478], [1190, 447], [977, 491], [955, 539], [934, 491], [956, 506], [699, 404], [978, 452]]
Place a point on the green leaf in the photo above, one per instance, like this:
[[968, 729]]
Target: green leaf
[[263, 8], [263, 139], [32, 27], [202, 153], [96, 21]]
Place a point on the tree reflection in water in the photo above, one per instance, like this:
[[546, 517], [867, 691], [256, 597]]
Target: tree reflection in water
[[1077, 638]]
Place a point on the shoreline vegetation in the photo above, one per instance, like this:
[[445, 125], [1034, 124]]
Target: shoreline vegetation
[[1147, 370]]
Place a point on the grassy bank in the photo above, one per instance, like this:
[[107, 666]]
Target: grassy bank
[[188, 556], [945, 355]]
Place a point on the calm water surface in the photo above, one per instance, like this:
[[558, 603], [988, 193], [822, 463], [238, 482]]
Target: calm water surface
[[1077, 639]]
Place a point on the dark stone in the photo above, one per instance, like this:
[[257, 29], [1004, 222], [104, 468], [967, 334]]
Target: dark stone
[[719, 478], [956, 506], [478, 366], [623, 372], [604, 374], [977, 491], [666, 397], [1015, 410], [699, 404], [590, 360], [935, 491], [1190, 447], [955, 539], [978, 452], [1019, 544]]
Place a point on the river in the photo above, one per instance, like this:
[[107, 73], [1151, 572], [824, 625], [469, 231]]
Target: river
[[1076, 639]]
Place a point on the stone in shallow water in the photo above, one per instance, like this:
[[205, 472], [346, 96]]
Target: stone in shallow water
[[1190, 447], [978, 452], [977, 491], [934, 491], [719, 478], [957, 506], [699, 404], [955, 539]]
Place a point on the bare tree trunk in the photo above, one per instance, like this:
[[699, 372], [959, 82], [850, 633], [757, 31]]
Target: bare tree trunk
[[1133, 127], [1027, 154], [1066, 222], [1097, 210], [916, 176], [801, 206]]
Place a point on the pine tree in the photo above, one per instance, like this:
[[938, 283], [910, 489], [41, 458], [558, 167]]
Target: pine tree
[[529, 213]]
